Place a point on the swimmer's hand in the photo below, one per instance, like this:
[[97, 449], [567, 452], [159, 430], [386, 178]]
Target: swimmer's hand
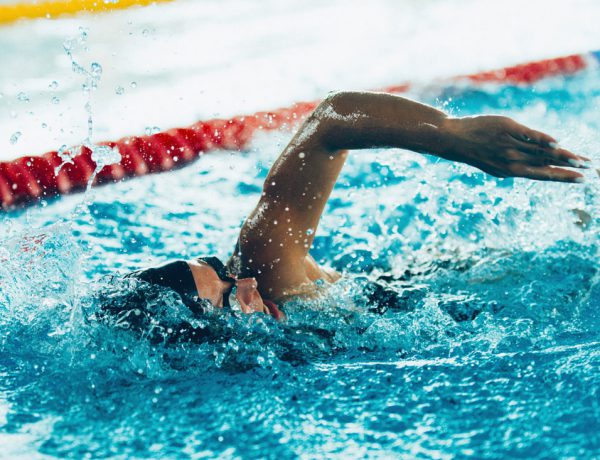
[[504, 148]]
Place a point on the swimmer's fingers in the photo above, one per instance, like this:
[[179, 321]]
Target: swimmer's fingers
[[538, 143], [531, 136], [529, 159], [547, 173], [551, 155]]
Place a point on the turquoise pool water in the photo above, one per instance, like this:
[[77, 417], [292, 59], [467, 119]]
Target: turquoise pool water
[[520, 380]]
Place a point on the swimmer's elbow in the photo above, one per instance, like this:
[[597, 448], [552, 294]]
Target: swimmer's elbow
[[336, 119], [340, 100], [336, 124], [329, 111]]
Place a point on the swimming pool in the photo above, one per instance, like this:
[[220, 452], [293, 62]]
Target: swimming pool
[[520, 380]]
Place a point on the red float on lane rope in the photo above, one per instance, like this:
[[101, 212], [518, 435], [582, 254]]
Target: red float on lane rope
[[31, 178], [533, 71]]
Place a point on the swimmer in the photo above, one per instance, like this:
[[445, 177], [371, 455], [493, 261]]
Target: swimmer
[[271, 262]]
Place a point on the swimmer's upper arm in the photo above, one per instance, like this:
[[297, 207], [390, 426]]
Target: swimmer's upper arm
[[276, 237]]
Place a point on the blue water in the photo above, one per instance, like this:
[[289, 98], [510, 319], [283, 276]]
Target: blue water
[[520, 380]]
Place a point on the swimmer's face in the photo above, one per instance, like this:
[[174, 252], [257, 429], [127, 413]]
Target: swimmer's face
[[211, 287]]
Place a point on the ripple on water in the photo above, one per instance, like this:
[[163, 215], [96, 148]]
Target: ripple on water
[[487, 345]]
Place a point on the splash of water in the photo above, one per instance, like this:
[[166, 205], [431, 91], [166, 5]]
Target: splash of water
[[101, 155]]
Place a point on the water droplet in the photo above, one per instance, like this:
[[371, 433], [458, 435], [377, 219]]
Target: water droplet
[[23, 97], [65, 155], [119, 90], [44, 125], [53, 85], [77, 68], [151, 130], [56, 100], [96, 70], [133, 84], [301, 155], [104, 155], [310, 231], [15, 137]]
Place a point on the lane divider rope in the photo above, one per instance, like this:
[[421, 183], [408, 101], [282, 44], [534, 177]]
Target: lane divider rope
[[31, 178], [53, 8]]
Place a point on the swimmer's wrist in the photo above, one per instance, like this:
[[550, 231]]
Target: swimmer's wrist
[[451, 137]]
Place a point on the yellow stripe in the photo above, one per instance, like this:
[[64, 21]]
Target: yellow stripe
[[51, 9]]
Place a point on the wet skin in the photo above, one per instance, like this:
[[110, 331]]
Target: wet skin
[[274, 242]]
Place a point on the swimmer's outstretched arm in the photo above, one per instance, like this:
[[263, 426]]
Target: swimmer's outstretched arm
[[275, 239], [495, 144]]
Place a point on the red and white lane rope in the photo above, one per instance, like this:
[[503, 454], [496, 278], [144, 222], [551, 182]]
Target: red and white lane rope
[[31, 178]]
